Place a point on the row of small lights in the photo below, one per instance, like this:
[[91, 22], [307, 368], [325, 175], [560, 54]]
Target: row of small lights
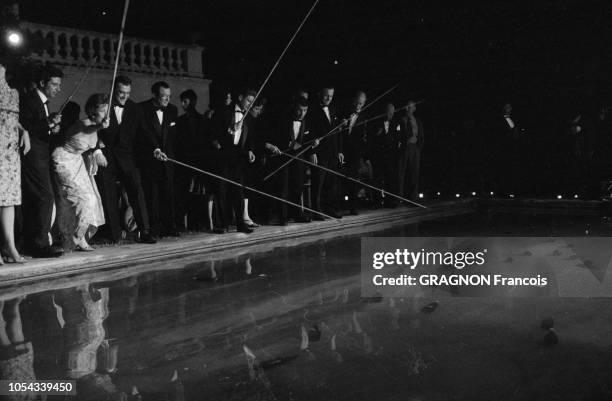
[[511, 196]]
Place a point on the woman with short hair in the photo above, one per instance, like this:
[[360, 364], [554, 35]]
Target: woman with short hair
[[79, 207]]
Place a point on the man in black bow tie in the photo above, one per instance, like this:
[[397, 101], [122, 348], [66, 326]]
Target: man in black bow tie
[[236, 146], [118, 139], [322, 119], [38, 194], [289, 182], [154, 145]]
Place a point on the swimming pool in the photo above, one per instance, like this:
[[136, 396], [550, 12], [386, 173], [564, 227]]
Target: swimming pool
[[289, 324]]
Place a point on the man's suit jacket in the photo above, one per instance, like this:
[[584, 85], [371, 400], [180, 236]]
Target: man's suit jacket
[[224, 120], [118, 139], [406, 133], [383, 144], [284, 135], [319, 126], [154, 135], [354, 142], [33, 118]]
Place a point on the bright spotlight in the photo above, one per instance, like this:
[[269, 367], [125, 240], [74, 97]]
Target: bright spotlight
[[421, 196], [14, 38], [457, 195], [473, 193], [438, 193], [576, 196], [492, 193], [346, 198], [559, 197]]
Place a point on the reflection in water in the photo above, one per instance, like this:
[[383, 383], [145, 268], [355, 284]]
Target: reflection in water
[[290, 325], [16, 354]]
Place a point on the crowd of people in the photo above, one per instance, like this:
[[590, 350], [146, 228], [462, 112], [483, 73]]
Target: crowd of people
[[116, 168]]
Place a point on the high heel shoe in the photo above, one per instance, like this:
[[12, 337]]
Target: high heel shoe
[[82, 245]]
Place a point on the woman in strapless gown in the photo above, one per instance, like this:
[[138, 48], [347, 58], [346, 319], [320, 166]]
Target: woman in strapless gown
[[75, 163]]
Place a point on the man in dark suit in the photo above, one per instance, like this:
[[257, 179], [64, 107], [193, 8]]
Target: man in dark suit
[[155, 143], [410, 146], [236, 148], [383, 139], [321, 120], [118, 148], [353, 142], [38, 195], [289, 182]]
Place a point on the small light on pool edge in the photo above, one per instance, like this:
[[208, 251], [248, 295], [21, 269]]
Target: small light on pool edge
[[421, 196], [559, 197], [511, 195], [576, 196], [438, 193], [473, 193], [457, 195], [492, 193], [346, 198]]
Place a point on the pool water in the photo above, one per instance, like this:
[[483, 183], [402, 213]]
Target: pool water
[[289, 324]]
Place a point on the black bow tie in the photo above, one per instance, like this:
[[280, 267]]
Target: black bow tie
[[239, 111], [158, 108], [119, 105], [297, 121]]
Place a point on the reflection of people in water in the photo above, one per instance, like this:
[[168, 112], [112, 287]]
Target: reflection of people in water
[[16, 354], [83, 311]]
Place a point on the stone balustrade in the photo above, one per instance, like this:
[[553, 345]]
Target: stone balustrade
[[72, 47]]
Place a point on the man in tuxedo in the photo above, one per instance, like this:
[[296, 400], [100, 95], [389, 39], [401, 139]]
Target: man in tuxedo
[[155, 143], [353, 147], [410, 146], [234, 142], [383, 153], [38, 194], [118, 148], [289, 182], [321, 120]]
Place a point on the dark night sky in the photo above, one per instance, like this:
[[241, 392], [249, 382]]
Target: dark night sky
[[460, 54]]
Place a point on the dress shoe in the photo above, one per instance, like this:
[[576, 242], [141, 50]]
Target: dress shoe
[[51, 251], [353, 212], [147, 238], [244, 229], [283, 222]]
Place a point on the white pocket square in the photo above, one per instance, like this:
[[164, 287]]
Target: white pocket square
[[306, 132], [172, 124]]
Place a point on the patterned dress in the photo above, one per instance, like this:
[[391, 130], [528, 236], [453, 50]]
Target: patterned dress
[[10, 163], [79, 207]]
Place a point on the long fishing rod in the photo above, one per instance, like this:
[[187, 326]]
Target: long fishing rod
[[246, 187], [77, 86], [280, 58], [345, 176], [119, 48]]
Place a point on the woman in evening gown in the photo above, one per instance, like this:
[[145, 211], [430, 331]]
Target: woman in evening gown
[[79, 207]]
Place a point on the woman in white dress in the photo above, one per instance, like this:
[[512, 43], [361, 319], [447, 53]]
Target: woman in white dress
[[79, 207]]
